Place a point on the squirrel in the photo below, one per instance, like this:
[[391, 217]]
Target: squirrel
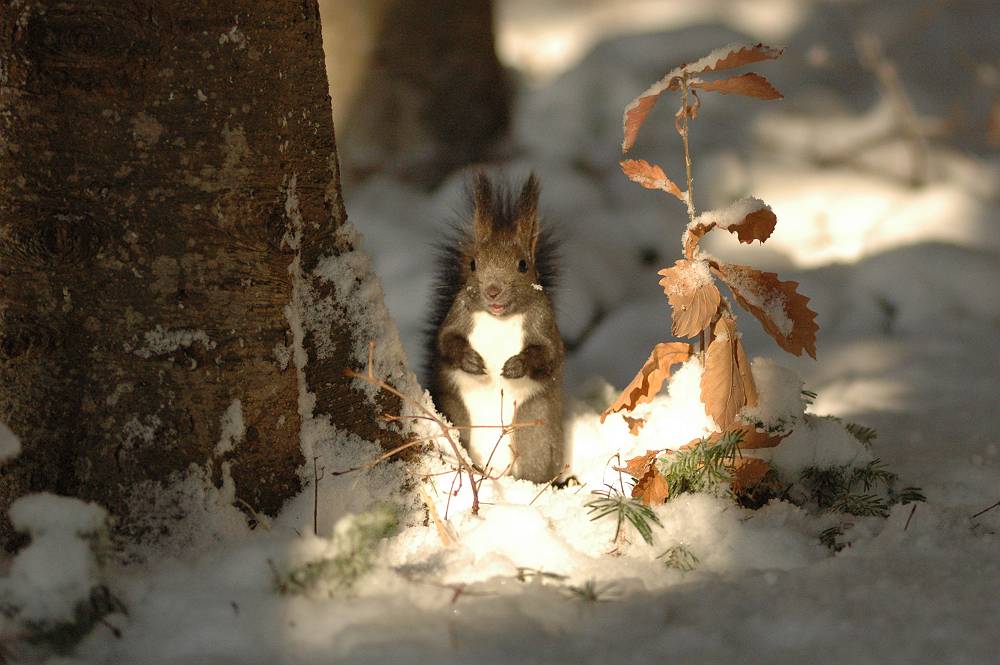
[[495, 355]]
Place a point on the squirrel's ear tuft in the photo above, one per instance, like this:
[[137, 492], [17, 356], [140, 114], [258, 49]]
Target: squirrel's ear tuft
[[527, 213], [482, 199], [527, 201]]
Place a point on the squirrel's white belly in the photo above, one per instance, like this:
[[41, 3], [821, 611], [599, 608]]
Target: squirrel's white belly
[[490, 398]]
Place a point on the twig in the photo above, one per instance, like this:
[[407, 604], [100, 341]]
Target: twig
[[452, 491], [985, 510], [910, 517], [384, 456], [687, 152], [503, 432], [317, 476], [548, 484], [510, 426], [261, 520], [115, 630], [621, 478], [445, 430], [447, 538]]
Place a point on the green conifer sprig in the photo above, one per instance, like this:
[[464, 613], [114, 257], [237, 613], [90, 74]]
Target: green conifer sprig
[[591, 592], [865, 435], [703, 467], [355, 548], [625, 509], [863, 490], [829, 538], [679, 557]]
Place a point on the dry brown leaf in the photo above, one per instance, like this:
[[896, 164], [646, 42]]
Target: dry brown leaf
[[694, 298], [753, 439], [732, 56], [777, 305], [650, 378], [635, 114], [692, 235], [747, 85], [747, 472], [637, 466], [635, 425], [727, 57], [651, 487], [689, 111], [726, 384], [758, 225], [650, 176]]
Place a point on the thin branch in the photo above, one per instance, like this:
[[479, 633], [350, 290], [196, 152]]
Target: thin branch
[[384, 456], [547, 485], [452, 491], [445, 430], [986, 510], [317, 476], [445, 534], [510, 426], [910, 517], [687, 151]]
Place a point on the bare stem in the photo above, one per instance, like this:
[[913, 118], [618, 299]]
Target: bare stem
[[370, 378], [685, 118], [986, 510], [317, 476]]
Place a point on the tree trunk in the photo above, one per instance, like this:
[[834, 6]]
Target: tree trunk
[[423, 90], [168, 183]]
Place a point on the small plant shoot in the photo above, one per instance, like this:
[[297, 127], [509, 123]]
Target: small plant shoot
[[698, 308]]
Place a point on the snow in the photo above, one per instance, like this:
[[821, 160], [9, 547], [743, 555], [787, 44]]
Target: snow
[[10, 445], [233, 428], [161, 341], [781, 403], [731, 215], [56, 571], [902, 278], [821, 442]]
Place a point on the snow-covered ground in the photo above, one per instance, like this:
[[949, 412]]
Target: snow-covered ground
[[904, 278]]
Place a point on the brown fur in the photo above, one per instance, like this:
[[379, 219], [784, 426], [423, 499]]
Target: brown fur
[[505, 231]]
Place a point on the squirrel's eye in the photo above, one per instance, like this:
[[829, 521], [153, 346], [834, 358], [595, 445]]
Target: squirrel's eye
[[522, 266], [472, 265]]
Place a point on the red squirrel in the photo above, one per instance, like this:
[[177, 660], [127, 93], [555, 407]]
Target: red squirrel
[[495, 353]]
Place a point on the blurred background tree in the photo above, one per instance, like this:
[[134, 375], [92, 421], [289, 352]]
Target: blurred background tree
[[418, 87]]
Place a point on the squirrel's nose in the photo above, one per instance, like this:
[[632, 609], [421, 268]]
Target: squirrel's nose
[[492, 291]]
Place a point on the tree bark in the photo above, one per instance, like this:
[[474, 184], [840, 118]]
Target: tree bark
[[423, 89], [168, 183]]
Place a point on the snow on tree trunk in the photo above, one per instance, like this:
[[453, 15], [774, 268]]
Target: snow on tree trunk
[[168, 183]]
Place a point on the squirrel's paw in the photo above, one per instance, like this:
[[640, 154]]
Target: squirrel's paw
[[472, 362], [514, 367]]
